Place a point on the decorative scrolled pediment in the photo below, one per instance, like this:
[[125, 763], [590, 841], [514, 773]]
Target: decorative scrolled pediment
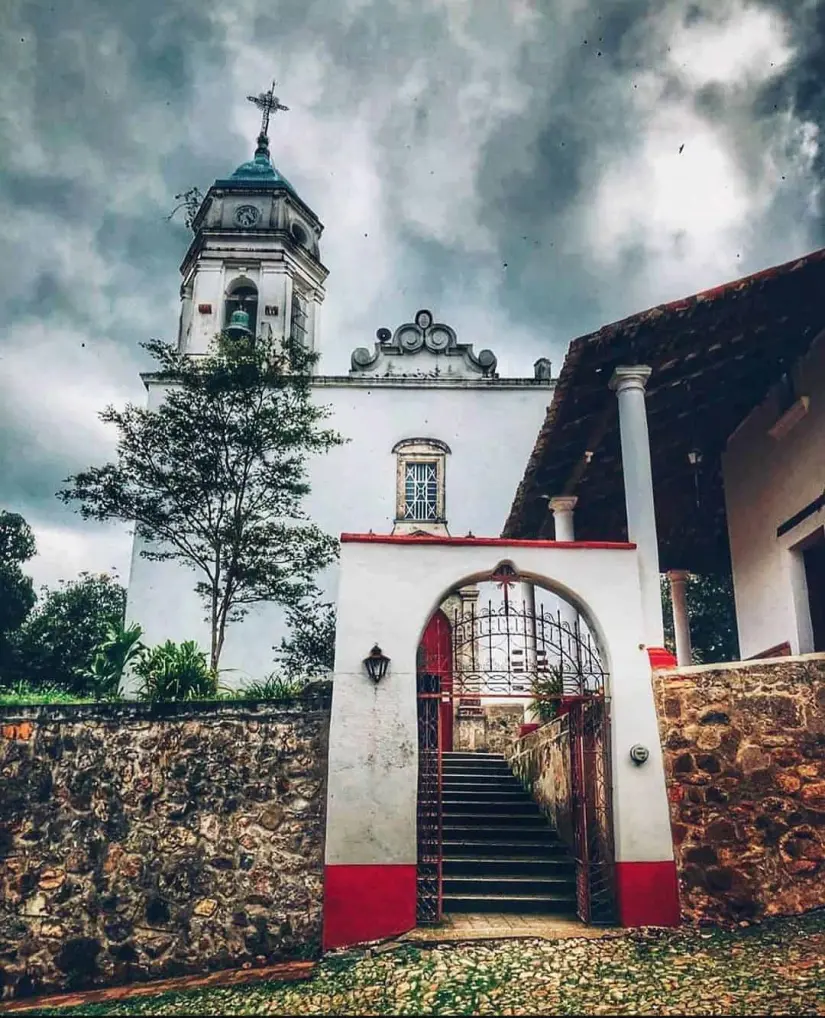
[[423, 348]]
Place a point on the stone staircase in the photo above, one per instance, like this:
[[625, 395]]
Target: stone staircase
[[499, 852]]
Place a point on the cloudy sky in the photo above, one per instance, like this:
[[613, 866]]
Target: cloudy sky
[[529, 169]]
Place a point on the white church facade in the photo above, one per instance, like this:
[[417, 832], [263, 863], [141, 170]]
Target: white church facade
[[435, 439]]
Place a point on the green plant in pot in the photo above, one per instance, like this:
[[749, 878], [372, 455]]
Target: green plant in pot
[[544, 685]]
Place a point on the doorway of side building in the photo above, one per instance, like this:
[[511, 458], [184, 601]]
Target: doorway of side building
[[500, 657], [813, 556]]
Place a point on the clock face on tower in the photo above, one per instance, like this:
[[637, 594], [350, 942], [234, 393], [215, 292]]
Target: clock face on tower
[[247, 215]]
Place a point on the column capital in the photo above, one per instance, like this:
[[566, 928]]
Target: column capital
[[633, 376], [562, 503], [678, 575]]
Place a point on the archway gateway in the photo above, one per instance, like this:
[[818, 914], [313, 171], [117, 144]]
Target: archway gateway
[[514, 656], [389, 586]]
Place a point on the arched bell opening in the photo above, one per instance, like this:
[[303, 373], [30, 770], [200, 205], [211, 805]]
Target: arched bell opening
[[241, 309], [502, 654]]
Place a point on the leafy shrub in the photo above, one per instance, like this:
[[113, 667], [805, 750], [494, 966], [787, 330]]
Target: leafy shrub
[[544, 685], [174, 671], [273, 687], [120, 647]]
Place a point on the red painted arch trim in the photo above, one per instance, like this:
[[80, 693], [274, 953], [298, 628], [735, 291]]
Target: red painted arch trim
[[483, 542]]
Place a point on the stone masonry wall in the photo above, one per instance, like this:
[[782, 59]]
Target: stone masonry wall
[[745, 766], [140, 842], [541, 761], [491, 732]]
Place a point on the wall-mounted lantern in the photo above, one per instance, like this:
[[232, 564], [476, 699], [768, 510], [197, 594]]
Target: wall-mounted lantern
[[695, 457], [376, 664]]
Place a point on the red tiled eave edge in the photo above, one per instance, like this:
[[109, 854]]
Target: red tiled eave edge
[[503, 542], [283, 972]]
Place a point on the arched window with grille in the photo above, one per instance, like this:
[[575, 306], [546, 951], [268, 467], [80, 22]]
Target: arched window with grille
[[420, 485]]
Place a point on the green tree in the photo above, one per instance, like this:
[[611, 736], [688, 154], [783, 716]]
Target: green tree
[[17, 595], [309, 650], [712, 617], [57, 642], [215, 476]]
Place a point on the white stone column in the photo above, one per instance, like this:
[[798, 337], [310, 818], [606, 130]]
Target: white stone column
[[629, 384], [681, 622], [530, 660], [562, 506]]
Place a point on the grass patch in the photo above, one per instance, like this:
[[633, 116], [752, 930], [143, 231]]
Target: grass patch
[[23, 695]]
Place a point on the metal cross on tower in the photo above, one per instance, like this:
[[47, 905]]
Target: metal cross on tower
[[268, 103]]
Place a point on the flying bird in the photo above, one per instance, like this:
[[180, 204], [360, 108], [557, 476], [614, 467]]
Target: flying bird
[[681, 147]]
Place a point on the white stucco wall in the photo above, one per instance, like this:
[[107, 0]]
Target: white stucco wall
[[387, 592], [490, 429], [767, 481]]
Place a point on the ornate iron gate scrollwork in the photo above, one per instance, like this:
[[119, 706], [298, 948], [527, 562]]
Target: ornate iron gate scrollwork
[[499, 649], [428, 904], [589, 734]]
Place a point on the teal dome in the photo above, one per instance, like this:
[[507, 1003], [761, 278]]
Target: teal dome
[[259, 170]]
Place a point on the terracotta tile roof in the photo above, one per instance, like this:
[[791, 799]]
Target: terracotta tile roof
[[733, 335]]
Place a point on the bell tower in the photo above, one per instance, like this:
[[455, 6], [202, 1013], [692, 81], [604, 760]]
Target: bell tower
[[254, 265]]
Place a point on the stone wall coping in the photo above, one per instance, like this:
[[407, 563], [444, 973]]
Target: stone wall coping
[[125, 712], [774, 663]]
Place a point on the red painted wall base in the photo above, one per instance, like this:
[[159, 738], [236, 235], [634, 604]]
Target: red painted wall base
[[647, 893], [367, 903], [661, 658]]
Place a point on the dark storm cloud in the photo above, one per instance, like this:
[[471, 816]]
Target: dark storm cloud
[[504, 162]]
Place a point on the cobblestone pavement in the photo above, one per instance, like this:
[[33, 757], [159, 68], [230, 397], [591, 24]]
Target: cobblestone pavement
[[777, 968]]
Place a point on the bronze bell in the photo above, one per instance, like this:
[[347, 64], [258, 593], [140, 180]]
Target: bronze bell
[[238, 327]]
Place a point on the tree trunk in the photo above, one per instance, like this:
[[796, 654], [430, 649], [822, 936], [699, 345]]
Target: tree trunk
[[215, 649]]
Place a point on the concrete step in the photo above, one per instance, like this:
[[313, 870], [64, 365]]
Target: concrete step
[[511, 807], [469, 787], [516, 904], [459, 754], [471, 762], [512, 865], [479, 780], [528, 884], [467, 766], [471, 846], [503, 821], [532, 833], [481, 794]]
